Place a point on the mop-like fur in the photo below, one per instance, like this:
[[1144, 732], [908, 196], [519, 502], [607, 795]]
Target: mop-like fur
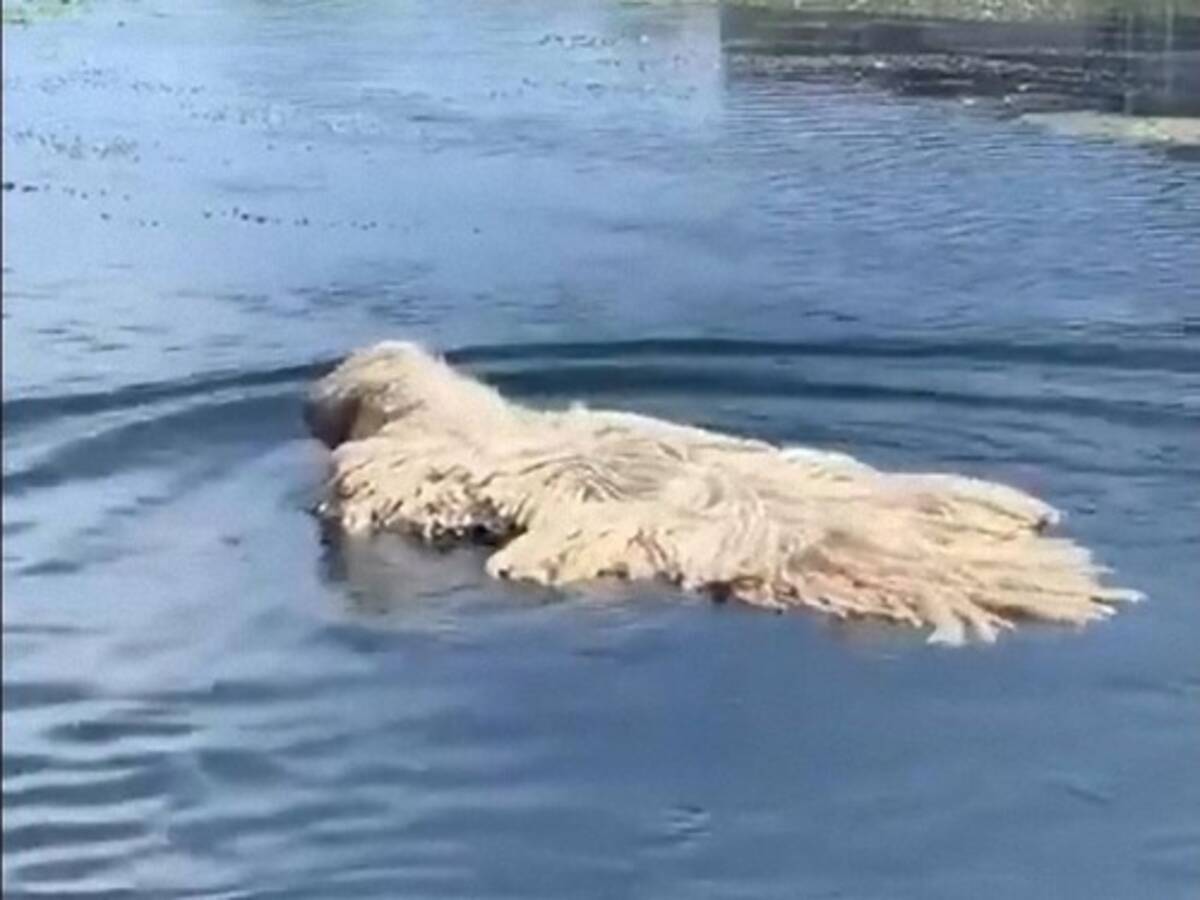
[[580, 494]]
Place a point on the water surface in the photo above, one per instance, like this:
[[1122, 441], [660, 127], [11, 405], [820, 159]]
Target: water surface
[[205, 204]]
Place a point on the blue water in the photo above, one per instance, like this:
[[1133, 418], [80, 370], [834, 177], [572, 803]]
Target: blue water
[[206, 203]]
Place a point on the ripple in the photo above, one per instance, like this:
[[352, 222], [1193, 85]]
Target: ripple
[[22, 412], [88, 789], [155, 440], [1123, 355], [630, 380], [585, 201]]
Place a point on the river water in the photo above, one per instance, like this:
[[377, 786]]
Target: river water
[[206, 203]]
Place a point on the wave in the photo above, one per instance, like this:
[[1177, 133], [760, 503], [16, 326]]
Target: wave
[[22, 412], [675, 379], [151, 423], [141, 442], [1109, 355]]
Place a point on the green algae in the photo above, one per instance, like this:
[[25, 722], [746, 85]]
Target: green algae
[[28, 12]]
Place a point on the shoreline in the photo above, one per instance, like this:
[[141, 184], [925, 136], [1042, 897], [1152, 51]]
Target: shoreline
[[1138, 65], [1011, 11]]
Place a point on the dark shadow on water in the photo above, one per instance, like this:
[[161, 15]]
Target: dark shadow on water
[[384, 575]]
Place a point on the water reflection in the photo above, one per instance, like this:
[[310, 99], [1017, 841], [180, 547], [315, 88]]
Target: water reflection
[[1141, 61]]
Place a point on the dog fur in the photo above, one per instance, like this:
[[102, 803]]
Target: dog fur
[[569, 496]]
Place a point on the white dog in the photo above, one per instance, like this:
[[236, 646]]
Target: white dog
[[582, 494]]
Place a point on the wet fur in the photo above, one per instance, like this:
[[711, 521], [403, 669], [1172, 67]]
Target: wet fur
[[575, 495]]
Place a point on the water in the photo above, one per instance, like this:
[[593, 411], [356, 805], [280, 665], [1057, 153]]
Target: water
[[206, 203], [1138, 58]]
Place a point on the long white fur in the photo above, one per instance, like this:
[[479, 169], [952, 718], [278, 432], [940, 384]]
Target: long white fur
[[581, 494]]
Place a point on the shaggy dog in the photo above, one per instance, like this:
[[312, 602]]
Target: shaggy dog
[[580, 494]]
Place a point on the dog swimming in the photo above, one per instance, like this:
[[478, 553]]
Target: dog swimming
[[568, 496]]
